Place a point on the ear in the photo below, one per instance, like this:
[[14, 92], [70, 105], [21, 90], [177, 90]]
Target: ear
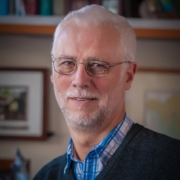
[[131, 71]]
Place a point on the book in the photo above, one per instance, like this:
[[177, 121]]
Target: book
[[114, 6], [31, 7], [58, 7]]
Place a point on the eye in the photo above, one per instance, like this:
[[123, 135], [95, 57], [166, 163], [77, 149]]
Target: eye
[[68, 63], [97, 68], [96, 65], [64, 65]]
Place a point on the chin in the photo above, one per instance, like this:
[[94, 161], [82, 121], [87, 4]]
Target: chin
[[85, 121]]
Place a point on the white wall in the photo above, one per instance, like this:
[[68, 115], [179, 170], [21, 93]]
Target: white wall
[[34, 51]]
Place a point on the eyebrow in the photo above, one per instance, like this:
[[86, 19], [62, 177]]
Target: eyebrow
[[95, 58], [87, 59], [67, 57]]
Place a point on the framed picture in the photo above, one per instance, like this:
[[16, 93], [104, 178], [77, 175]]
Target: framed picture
[[23, 103], [154, 100]]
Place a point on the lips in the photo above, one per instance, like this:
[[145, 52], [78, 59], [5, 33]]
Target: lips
[[82, 98]]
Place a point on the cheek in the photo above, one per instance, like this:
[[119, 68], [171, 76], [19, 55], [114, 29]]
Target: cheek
[[60, 88], [104, 86], [60, 84], [60, 81], [116, 88]]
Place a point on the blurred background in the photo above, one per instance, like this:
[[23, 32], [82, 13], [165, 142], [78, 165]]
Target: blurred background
[[26, 34]]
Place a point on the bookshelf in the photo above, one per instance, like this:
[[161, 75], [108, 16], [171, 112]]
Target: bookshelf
[[45, 25]]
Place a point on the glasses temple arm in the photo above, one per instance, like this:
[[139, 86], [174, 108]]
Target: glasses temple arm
[[112, 65]]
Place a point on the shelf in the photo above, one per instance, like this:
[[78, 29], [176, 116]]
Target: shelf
[[29, 24], [46, 25]]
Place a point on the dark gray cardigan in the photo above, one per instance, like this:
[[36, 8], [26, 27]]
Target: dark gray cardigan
[[144, 154]]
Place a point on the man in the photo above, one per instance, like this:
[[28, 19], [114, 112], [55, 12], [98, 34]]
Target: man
[[93, 57]]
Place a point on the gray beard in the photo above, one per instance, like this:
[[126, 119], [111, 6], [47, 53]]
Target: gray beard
[[88, 122]]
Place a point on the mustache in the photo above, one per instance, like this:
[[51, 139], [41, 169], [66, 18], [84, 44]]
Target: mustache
[[82, 93]]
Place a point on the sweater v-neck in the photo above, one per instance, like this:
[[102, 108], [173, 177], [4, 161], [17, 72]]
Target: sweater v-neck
[[136, 128]]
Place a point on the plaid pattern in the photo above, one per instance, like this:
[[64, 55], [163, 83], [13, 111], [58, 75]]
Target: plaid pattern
[[97, 158]]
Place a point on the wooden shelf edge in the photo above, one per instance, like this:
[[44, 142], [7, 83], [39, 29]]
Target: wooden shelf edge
[[158, 33], [27, 29], [49, 30], [159, 70]]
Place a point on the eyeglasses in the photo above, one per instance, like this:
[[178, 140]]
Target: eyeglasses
[[93, 67]]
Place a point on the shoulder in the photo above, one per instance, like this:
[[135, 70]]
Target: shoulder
[[52, 169], [161, 149], [149, 140], [157, 150]]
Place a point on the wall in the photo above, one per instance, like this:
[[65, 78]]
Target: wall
[[34, 51]]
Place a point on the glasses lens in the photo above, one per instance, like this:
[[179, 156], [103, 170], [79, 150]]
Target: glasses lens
[[64, 66], [97, 68]]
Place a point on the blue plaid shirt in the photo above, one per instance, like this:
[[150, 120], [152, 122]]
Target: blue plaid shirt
[[97, 158]]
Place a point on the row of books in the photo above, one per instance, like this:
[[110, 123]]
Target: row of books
[[134, 8], [127, 8], [32, 7]]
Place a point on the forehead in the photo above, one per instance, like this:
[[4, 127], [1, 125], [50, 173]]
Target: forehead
[[93, 40]]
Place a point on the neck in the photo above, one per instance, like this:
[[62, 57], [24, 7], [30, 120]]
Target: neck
[[84, 141]]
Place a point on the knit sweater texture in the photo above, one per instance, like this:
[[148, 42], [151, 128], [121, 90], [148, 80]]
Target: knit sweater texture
[[143, 155]]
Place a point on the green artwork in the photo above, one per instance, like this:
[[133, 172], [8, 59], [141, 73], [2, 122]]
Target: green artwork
[[162, 111], [13, 103]]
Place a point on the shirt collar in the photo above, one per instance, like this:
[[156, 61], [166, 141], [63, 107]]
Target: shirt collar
[[106, 148]]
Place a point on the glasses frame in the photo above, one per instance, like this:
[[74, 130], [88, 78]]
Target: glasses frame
[[86, 68]]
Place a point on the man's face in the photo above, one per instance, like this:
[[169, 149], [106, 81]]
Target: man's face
[[88, 102]]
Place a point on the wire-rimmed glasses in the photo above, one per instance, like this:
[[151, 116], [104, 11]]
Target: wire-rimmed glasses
[[95, 68]]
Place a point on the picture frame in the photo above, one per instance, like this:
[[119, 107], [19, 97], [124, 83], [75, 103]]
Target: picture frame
[[154, 100], [23, 103]]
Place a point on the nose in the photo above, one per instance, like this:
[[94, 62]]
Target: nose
[[80, 78]]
